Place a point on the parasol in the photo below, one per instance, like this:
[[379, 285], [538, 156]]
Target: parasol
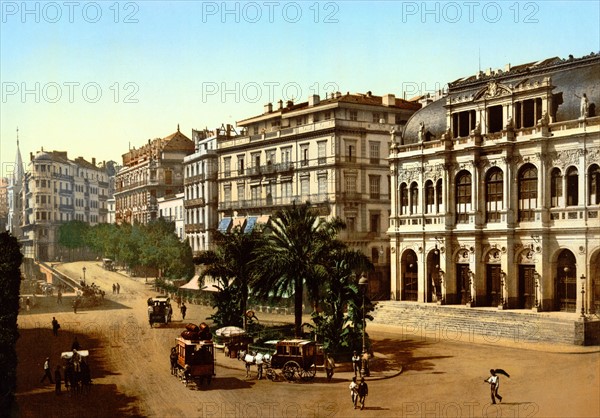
[[229, 331]]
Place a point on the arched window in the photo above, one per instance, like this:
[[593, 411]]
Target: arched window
[[414, 198], [556, 189], [527, 193], [429, 197], [438, 193], [572, 187], [594, 186], [403, 199], [493, 195], [463, 197]]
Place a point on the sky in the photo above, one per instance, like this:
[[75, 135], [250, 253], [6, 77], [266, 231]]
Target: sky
[[94, 78]]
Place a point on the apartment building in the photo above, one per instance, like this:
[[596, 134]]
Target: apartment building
[[170, 208], [497, 191], [332, 153], [57, 189], [152, 171], [201, 191]]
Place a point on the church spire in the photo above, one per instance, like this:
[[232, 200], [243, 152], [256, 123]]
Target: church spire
[[18, 170]]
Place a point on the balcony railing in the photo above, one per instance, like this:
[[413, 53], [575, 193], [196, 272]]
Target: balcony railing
[[194, 202], [271, 202]]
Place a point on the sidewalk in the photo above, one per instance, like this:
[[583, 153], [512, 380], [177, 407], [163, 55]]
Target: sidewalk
[[380, 367]]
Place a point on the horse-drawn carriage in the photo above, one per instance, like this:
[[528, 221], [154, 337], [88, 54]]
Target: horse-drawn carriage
[[76, 371], [159, 310], [296, 359], [195, 354]]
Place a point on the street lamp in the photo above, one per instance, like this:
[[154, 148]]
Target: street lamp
[[363, 284], [582, 296], [83, 274]]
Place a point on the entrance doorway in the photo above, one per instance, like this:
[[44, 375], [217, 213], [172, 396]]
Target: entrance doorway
[[526, 297], [411, 274], [493, 286], [566, 282], [463, 284]]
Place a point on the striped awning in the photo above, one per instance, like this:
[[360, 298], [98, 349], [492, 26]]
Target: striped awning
[[224, 225]]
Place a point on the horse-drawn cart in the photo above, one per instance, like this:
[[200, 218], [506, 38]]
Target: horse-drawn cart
[[297, 359]]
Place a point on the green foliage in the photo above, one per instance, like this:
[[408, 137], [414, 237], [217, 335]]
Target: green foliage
[[231, 264], [295, 255], [10, 280], [73, 234]]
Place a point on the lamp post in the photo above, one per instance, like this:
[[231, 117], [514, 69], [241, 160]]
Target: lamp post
[[582, 296], [363, 284], [83, 274], [536, 277]]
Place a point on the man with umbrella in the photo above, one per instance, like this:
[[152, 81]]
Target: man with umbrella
[[494, 381]]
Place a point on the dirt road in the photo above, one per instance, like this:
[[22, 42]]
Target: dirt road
[[130, 371]]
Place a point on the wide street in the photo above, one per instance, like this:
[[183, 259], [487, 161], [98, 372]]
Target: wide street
[[130, 370]]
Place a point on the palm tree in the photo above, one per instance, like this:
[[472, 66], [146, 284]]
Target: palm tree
[[294, 255], [231, 264]]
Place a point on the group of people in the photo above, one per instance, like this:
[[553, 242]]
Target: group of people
[[358, 392], [116, 288], [76, 374]]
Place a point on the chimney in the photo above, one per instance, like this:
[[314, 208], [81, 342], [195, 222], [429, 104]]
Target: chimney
[[290, 103], [94, 161], [337, 94], [507, 68], [388, 100], [280, 102], [31, 156], [313, 100], [268, 107]]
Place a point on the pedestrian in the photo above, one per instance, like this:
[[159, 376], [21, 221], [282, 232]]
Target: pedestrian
[[47, 371], [75, 345], [363, 391], [259, 365], [57, 380], [59, 296], [114, 288], [118, 288], [27, 304], [247, 367], [183, 310], [356, 363], [353, 391], [494, 382], [55, 326], [329, 366], [173, 359], [75, 305]]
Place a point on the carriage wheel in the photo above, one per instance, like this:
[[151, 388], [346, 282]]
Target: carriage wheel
[[271, 374], [308, 374], [290, 369]]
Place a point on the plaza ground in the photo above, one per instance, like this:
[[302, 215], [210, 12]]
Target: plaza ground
[[440, 376]]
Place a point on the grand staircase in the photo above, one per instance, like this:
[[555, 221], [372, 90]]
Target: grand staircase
[[461, 323]]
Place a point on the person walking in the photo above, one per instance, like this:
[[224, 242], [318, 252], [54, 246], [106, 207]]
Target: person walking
[[363, 391], [356, 363], [59, 296], [494, 382], [55, 326], [75, 304], [114, 288], [118, 288], [329, 366], [57, 380], [259, 365], [47, 371], [183, 310], [353, 391]]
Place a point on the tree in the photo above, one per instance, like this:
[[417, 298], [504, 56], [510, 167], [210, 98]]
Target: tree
[[231, 263], [296, 252], [340, 323], [10, 281]]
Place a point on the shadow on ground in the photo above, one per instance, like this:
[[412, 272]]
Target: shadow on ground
[[400, 355], [35, 399]]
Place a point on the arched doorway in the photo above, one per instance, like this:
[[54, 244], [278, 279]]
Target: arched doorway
[[493, 280], [433, 284], [566, 282], [463, 278], [410, 289], [595, 283], [526, 283]]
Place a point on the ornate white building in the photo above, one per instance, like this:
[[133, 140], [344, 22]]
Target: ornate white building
[[497, 191], [57, 190]]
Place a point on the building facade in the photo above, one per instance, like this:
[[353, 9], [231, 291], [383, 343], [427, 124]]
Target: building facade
[[3, 203], [497, 191], [329, 152], [57, 190], [170, 208], [201, 191], [152, 171]]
